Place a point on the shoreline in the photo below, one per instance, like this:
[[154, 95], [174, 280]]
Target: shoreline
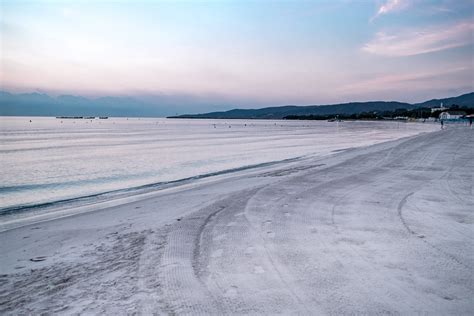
[[117, 197], [162, 155], [353, 231], [20, 214]]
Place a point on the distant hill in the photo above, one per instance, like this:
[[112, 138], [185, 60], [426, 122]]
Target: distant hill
[[282, 111], [159, 105], [344, 108], [40, 104], [462, 100]]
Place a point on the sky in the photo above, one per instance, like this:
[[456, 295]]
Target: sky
[[240, 53]]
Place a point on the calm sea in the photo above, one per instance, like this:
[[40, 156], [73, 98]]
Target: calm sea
[[47, 161]]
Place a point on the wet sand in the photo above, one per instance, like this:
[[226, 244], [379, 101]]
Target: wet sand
[[381, 229]]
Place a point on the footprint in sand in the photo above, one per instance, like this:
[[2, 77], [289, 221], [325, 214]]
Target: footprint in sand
[[38, 259], [258, 270], [232, 291], [249, 250], [217, 253], [231, 224], [271, 234], [219, 237]]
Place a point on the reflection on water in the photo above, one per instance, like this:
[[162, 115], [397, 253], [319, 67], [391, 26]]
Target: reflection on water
[[50, 159]]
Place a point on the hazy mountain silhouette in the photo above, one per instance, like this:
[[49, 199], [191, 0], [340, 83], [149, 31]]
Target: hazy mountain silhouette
[[344, 108], [462, 100], [40, 104]]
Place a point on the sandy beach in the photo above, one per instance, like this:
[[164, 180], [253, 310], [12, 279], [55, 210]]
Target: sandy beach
[[381, 229]]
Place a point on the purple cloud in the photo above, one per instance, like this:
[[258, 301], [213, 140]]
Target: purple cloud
[[391, 6], [411, 42]]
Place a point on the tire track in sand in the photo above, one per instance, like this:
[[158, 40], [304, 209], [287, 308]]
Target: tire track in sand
[[183, 266]]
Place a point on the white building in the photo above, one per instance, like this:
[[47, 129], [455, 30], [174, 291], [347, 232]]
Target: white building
[[451, 115], [440, 108]]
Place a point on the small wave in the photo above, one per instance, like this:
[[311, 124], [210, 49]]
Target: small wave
[[102, 196]]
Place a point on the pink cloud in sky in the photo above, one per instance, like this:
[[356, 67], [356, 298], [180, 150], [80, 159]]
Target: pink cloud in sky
[[391, 6], [400, 80], [418, 85], [413, 42]]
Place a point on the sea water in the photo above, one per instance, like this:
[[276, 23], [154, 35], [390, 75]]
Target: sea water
[[48, 160]]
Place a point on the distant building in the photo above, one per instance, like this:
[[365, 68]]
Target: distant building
[[451, 115], [440, 108]]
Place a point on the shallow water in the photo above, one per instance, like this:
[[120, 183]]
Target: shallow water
[[49, 160]]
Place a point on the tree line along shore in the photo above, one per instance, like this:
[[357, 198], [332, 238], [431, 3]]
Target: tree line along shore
[[459, 112]]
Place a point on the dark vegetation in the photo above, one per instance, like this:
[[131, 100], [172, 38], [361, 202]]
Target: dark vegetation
[[39, 104], [402, 114], [353, 110]]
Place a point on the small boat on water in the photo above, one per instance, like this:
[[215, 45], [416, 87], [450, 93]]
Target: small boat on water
[[81, 117]]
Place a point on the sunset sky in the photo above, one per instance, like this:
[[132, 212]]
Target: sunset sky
[[240, 52]]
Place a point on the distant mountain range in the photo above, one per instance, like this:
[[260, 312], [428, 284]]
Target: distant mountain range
[[333, 109], [40, 104]]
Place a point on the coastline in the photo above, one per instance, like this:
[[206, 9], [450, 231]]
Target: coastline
[[98, 161], [78, 187], [357, 230]]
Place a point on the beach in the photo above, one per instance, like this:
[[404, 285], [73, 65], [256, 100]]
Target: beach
[[379, 229]]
